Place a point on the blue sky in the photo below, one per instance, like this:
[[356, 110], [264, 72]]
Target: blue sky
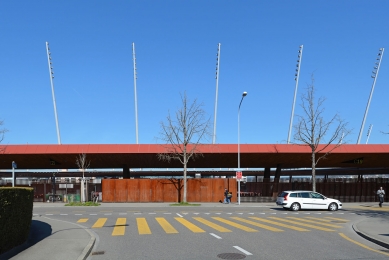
[[176, 44]]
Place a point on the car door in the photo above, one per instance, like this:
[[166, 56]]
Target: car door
[[305, 200], [318, 201]]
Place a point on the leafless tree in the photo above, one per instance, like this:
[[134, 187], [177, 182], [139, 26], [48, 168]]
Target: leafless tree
[[312, 129], [2, 131], [183, 133], [83, 164]]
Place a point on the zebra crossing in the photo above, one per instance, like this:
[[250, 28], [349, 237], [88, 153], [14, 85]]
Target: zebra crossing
[[223, 224]]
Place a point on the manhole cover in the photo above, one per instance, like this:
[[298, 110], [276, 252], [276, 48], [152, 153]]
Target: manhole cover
[[231, 256], [98, 253]]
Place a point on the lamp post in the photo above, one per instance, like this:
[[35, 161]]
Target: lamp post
[[243, 95], [14, 166]]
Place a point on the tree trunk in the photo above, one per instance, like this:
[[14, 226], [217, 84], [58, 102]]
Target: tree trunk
[[313, 172], [185, 163]]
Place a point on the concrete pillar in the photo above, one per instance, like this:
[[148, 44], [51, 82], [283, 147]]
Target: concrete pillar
[[266, 175], [126, 172], [276, 181]]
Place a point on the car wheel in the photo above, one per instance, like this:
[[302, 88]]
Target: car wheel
[[333, 207], [295, 207]]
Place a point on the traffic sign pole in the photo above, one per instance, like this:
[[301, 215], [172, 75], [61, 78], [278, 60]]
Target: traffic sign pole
[[238, 177]]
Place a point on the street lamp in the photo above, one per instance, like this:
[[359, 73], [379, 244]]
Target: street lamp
[[243, 95]]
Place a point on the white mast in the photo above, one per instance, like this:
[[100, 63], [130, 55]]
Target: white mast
[[135, 96], [52, 90], [217, 89], [296, 78], [374, 75]]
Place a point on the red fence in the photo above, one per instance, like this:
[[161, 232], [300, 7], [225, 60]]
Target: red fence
[[345, 192], [166, 190]]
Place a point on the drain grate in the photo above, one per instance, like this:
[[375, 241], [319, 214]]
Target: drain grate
[[98, 253], [231, 256]]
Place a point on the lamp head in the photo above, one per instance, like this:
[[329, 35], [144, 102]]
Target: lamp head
[[244, 94]]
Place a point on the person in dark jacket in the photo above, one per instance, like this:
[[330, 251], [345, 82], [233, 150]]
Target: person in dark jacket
[[381, 195], [225, 196]]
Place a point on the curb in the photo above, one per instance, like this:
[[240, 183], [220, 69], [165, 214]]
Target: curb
[[88, 249], [367, 237]]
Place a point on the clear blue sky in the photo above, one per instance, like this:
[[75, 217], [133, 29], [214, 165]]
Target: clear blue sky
[[176, 44]]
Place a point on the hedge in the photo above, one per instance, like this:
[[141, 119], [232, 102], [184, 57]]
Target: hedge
[[16, 206]]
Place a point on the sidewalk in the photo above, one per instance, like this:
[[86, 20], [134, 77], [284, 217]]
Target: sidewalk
[[54, 239], [62, 240], [374, 228]]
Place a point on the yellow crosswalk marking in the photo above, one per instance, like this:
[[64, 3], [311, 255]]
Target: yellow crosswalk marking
[[280, 224], [320, 219], [212, 225], [301, 224], [120, 227], [82, 220], [143, 227], [316, 222], [338, 219], [169, 229], [228, 222], [258, 224], [99, 223], [189, 225]]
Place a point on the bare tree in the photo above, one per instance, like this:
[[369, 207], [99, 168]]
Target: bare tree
[[83, 164], [183, 133], [312, 129], [2, 132]]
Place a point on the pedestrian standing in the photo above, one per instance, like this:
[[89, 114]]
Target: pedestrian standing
[[225, 196], [381, 194]]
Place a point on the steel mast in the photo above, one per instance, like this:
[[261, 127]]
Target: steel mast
[[296, 78], [217, 89], [374, 76], [52, 90], [135, 95]]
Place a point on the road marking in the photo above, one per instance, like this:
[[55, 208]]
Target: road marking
[[169, 229], [179, 215], [301, 224], [212, 234], [242, 250], [120, 227], [137, 213], [212, 225], [258, 224], [189, 225], [82, 220], [280, 224], [99, 223], [315, 222], [143, 227], [196, 213], [248, 229], [320, 219], [362, 245], [339, 219]]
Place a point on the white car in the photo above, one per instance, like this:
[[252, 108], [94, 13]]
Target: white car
[[302, 199]]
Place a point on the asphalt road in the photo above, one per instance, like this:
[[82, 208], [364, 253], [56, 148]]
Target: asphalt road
[[228, 232]]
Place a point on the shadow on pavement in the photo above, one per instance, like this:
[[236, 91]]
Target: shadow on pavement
[[38, 231]]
